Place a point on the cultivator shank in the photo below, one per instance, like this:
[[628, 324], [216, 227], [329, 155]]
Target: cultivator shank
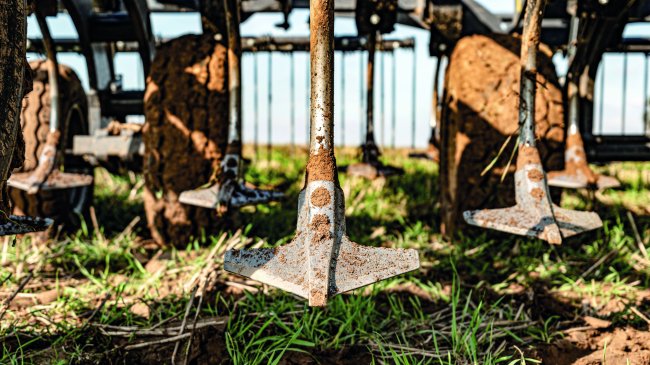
[[577, 173], [370, 167], [47, 176], [230, 191], [321, 261], [534, 214]]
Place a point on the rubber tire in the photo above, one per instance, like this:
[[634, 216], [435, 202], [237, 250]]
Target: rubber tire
[[185, 134], [480, 111], [68, 206]]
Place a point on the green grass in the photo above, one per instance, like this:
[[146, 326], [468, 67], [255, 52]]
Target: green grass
[[486, 298]]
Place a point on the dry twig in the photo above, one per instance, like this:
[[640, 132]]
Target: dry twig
[[5, 304]]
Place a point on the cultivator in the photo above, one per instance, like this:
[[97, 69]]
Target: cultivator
[[370, 167], [321, 261]]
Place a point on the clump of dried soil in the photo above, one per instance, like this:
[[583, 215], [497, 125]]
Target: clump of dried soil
[[624, 346], [185, 133]]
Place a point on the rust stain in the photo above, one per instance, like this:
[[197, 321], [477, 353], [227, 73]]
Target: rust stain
[[322, 166], [320, 225], [527, 155], [537, 193], [535, 175], [320, 197]]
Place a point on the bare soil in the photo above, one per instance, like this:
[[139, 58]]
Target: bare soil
[[480, 112], [595, 346], [185, 135]]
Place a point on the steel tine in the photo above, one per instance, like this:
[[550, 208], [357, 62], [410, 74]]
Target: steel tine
[[432, 152], [577, 173], [46, 176], [370, 167], [321, 261], [534, 214], [230, 191]]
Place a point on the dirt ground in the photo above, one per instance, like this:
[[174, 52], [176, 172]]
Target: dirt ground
[[115, 296]]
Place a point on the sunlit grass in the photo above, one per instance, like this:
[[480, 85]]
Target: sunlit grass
[[465, 305]]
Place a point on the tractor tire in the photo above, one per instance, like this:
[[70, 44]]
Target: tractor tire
[[66, 207], [480, 111], [185, 134]]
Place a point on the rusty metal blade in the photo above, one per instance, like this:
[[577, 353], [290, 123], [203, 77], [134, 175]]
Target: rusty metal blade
[[528, 221], [321, 261], [286, 267], [372, 171], [205, 197], [578, 180], [56, 180], [534, 215], [246, 195], [233, 194], [21, 225]]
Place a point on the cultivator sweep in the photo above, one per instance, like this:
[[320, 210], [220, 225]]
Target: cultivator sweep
[[577, 173], [108, 27], [321, 261], [230, 191], [47, 175], [534, 215]]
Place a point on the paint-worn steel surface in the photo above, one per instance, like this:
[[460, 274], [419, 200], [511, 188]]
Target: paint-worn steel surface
[[577, 174], [20, 225], [534, 214], [230, 191], [321, 261], [32, 182]]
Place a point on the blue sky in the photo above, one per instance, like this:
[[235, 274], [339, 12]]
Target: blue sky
[[399, 97]]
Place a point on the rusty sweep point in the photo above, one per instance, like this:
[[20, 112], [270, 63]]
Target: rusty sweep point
[[230, 192], [577, 173], [55, 180], [321, 261], [534, 215], [46, 176]]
